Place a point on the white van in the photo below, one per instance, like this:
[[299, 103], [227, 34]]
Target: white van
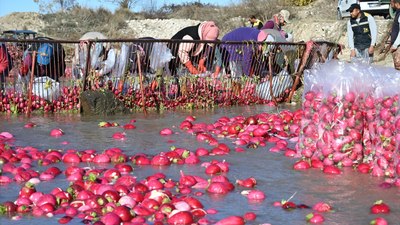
[[373, 7]]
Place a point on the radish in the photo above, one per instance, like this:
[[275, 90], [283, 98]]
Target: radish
[[314, 218], [166, 131], [250, 216], [380, 207], [56, 132], [181, 218], [231, 220], [111, 218], [129, 126], [301, 165], [322, 207], [247, 183], [379, 221], [254, 194], [119, 136], [332, 170]]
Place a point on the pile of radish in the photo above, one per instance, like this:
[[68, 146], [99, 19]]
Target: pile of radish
[[344, 122], [351, 120], [192, 93]]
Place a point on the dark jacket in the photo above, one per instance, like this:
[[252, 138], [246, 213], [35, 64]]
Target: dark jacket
[[362, 32], [395, 28]]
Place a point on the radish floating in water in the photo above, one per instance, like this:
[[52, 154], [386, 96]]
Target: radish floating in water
[[166, 131], [380, 207], [254, 194], [379, 221], [119, 136], [322, 207], [181, 218], [314, 218], [231, 220], [56, 132]]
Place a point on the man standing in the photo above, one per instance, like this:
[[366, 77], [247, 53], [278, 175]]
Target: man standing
[[394, 36], [362, 33], [255, 23]]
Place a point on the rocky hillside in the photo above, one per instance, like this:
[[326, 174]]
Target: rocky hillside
[[314, 22]]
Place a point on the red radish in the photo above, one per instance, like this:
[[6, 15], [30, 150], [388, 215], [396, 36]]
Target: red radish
[[314, 218], [119, 136], [231, 220], [379, 221], [301, 165], [288, 205], [322, 207], [111, 219], [123, 212], [187, 180], [101, 158], [254, 194], [332, 170], [56, 132], [380, 207], [193, 202], [250, 216], [166, 131], [181, 218], [160, 160], [247, 183], [71, 157], [213, 169], [29, 125], [218, 188], [64, 219], [129, 126]]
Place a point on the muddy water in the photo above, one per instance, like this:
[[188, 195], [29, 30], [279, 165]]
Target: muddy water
[[351, 194]]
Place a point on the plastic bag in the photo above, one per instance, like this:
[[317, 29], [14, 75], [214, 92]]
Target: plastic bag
[[46, 88], [280, 83], [159, 56]]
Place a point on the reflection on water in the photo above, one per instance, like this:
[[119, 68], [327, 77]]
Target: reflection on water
[[351, 194]]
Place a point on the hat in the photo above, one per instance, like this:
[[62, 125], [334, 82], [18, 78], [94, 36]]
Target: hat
[[353, 6], [209, 31], [285, 14]]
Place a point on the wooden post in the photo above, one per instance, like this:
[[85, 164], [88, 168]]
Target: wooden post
[[141, 82], [30, 87]]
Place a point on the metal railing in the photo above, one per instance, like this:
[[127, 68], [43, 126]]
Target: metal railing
[[149, 73]]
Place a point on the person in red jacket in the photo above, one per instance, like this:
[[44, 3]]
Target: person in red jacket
[[5, 65]]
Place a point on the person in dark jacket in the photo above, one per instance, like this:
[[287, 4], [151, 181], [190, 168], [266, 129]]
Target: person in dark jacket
[[394, 36], [362, 34], [255, 23], [189, 53]]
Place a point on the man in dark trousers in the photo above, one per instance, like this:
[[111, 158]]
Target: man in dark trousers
[[394, 36], [362, 33]]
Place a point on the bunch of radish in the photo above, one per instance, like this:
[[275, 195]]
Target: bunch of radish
[[350, 119]]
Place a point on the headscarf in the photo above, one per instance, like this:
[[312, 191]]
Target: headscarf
[[209, 31]]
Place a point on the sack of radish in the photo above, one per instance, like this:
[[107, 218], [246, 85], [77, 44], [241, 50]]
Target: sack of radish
[[382, 124], [333, 120]]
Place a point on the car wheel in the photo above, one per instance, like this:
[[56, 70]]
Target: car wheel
[[339, 15]]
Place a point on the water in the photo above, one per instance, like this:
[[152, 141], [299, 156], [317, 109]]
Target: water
[[351, 194]]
